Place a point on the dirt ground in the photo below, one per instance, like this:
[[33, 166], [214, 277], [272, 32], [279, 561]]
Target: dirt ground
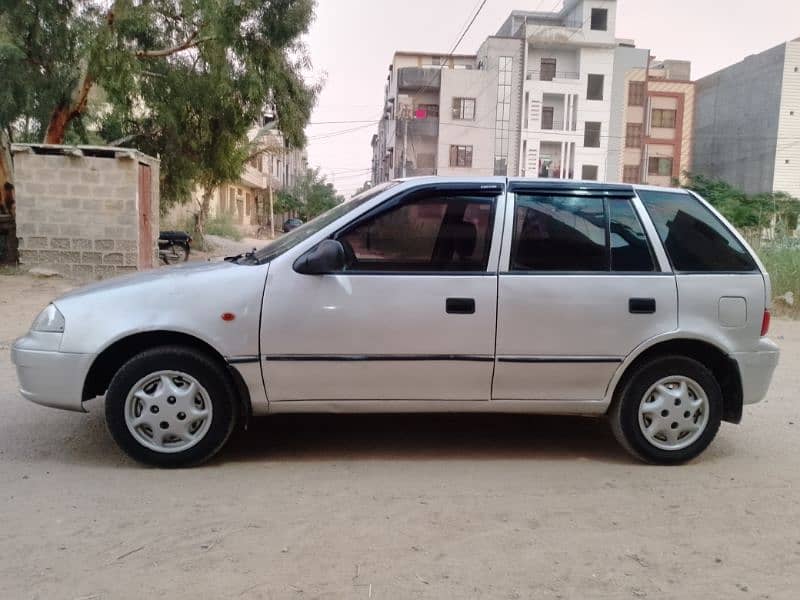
[[395, 507]]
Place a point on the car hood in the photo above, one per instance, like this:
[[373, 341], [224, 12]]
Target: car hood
[[165, 276], [188, 299]]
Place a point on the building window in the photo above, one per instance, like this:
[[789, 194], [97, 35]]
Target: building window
[[461, 156], [630, 174], [663, 118], [594, 90], [547, 69], [600, 19], [464, 109], [633, 135], [503, 117], [591, 134], [636, 93], [589, 172], [660, 166]]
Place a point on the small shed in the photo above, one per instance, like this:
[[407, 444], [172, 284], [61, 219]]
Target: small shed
[[87, 212]]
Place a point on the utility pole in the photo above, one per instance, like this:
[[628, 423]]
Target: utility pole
[[405, 145], [271, 210]]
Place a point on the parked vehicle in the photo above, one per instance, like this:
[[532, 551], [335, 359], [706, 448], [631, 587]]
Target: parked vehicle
[[174, 246], [291, 224], [427, 295]]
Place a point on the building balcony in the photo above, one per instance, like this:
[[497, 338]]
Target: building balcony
[[253, 178], [418, 79], [421, 128], [552, 75]]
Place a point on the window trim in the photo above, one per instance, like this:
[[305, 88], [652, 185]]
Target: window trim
[[459, 111], [599, 134], [641, 99], [661, 267], [494, 192], [661, 112]]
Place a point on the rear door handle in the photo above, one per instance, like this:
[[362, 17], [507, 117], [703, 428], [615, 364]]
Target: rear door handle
[[642, 306], [460, 306]]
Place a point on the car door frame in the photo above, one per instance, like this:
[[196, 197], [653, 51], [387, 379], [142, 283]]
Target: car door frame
[[607, 366], [280, 272]]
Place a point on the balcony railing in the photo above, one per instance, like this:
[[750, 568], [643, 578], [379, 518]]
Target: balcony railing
[[550, 75], [551, 125]]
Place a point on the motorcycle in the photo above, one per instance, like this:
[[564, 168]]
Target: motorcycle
[[174, 246]]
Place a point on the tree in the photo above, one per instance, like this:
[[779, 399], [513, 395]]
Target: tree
[[181, 80], [310, 196]]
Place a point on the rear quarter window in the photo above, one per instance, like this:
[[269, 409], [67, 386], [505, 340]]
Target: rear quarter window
[[694, 238]]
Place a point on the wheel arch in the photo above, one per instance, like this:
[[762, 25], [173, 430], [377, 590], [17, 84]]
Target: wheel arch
[[111, 358], [724, 368]]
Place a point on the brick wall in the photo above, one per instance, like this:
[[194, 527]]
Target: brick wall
[[79, 215]]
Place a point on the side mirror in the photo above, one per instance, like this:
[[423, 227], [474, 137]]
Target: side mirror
[[327, 257]]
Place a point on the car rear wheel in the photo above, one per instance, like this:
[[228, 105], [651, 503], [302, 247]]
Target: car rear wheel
[[668, 411], [171, 407]]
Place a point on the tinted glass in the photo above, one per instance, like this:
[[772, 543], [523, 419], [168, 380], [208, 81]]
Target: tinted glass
[[630, 250], [559, 234], [434, 233], [290, 240], [693, 237]]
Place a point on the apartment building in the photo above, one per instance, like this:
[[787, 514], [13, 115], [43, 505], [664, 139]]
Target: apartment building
[[652, 118], [535, 100], [747, 122], [569, 68]]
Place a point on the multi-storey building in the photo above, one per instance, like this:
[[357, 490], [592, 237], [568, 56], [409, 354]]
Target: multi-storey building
[[534, 100], [747, 122], [652, 116]]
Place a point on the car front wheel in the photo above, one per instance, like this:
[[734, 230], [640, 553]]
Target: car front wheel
[[171, 407], [668, 411]]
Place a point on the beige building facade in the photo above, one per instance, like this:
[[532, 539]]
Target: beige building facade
[[658, 122]]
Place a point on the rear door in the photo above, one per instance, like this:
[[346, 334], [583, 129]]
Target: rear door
[[580, 288]]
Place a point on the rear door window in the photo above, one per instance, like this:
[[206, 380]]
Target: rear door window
[[694, 238]]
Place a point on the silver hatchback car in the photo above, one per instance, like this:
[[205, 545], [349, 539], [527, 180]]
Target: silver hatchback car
[[430, 295]]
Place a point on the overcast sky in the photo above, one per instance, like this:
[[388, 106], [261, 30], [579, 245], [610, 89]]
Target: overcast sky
[[352, 43]]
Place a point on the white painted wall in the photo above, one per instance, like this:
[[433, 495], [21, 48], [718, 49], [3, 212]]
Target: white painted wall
[[787, 156]]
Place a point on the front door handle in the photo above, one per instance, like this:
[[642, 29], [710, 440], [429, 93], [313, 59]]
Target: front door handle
[[642, 306], [460, 306]]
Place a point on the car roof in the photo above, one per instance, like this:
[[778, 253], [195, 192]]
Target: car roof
[[546, 183]]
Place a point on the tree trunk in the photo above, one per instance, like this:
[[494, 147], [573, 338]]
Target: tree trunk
[[64, 113], [271, 214], [6, 164], [205, 208]]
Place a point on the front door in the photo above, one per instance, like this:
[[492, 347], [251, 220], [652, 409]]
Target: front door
[[580, 288], [413, 315]]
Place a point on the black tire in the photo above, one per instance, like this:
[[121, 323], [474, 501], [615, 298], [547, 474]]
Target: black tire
[[208, 373], [624, 413]]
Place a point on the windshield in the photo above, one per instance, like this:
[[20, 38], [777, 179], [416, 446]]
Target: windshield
[[291, 239]]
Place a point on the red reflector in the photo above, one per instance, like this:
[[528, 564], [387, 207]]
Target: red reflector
[[228, 316], [765, 323]]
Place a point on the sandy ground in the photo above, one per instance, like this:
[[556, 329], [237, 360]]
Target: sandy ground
[[443, 507]]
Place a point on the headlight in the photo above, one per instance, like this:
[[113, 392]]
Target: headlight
[[50, 320]]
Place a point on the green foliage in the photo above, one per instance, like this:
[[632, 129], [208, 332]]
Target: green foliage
[[781, 258], [747, 211], [181, 80], [314, 194], [222, 226], [287, 203]]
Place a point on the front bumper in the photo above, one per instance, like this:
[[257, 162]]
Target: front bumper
[[50, 377], [756, 369]]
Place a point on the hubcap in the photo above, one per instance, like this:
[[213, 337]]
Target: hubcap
[[168, 411], [673, 413]]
